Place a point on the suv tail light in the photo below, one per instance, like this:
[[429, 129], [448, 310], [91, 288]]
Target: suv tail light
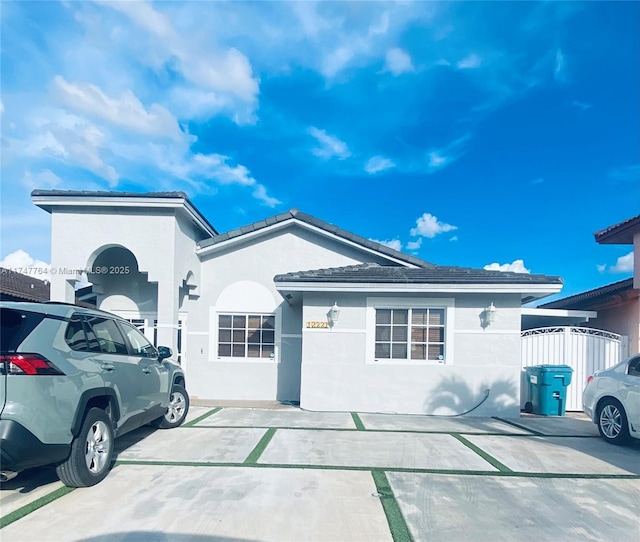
[[27, 364], [589, 379]]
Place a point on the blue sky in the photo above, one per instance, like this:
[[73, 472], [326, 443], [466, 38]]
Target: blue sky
[[467, 134]]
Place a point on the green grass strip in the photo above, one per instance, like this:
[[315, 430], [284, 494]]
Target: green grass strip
[[257, 451], [32, 506], [358, 422], [203, 417], [446, 472], [501, 467], [397, 524]]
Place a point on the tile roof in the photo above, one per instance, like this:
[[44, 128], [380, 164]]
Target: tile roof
[[22, 287], [386, 274], [321, 224], [591, 297], [619, 234]]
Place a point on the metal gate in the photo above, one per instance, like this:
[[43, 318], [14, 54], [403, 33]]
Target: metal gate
[[584, 349]]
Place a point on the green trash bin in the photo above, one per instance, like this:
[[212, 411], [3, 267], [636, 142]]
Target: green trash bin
[[548, 388]]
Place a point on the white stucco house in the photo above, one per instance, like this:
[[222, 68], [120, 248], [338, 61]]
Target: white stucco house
[[292, 308]]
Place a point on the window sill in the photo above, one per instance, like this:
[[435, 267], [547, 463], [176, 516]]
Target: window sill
[[417, 362], [244, 360]]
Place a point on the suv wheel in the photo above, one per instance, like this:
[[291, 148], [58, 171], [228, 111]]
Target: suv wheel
[[91, 452], [612, 422], [177, 409]]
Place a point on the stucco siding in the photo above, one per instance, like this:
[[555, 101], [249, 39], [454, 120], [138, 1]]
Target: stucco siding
[[339, 371]]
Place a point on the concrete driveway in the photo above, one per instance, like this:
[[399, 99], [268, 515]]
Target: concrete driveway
[[249, 475]]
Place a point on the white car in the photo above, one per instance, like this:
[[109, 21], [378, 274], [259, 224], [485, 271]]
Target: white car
[[612, 400]]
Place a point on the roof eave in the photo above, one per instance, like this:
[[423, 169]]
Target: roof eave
[[619, 234], [536, 290], [48, 202]]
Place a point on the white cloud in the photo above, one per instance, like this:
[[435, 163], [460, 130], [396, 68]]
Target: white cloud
[[260, 193], [395, 244], [538, 180], [469, 62], [437, 160], [445, 156], [126, 111], [625, 174], [454, 238], [381, 27], [560, 67], [581, 105], [414, 245], [337, 60], [376, 164], [69, 139], [601, 268], [398, 61], [331, 146], [517, 266], [224, 71], [21, 262], [143, 14], [43, 179], [200, 170], [624, 264], [429, 226]]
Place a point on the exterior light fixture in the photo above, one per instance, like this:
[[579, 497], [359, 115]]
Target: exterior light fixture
[[489, 314], [334, 314]]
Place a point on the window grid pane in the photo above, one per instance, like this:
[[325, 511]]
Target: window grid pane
[[246, 335], [391, 333], [427, 334]]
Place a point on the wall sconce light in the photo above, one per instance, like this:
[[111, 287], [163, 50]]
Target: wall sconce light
[[334, 314], [489, 315]]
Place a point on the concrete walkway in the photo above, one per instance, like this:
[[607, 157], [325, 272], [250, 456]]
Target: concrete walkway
[[257, 475]]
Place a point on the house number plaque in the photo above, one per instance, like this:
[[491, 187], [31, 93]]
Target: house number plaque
[[317, 325]]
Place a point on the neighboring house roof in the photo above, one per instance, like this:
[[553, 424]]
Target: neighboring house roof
[[46, 199], [295, 215], [595, 298], [619, 234], [18, 287]]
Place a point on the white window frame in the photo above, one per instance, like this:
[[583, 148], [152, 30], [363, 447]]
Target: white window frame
[[214, 338], [373, 303]]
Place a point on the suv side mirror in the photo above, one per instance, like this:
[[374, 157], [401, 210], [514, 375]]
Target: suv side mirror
[[164, 352]]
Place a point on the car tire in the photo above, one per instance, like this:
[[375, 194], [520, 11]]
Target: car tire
[[612, 422], [91, 452], [177, 409]]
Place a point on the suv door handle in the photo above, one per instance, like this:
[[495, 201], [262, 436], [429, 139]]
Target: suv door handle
[[146, 370], [107, 367]]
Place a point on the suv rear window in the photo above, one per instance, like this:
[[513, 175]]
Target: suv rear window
[[16, 326]]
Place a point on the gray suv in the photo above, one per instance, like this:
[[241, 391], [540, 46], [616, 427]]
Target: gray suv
[[73, 379]]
